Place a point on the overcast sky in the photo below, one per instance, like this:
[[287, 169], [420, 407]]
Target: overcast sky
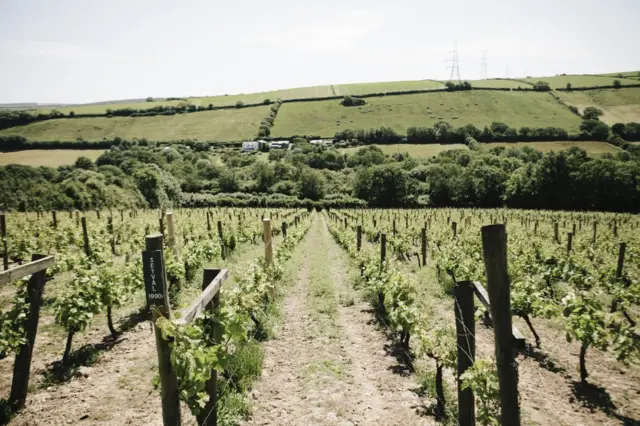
[[73, 51]]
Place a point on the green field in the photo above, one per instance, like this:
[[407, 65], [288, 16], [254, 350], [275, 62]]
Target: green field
[[220, 125], [386, 86], [592, 148], [420, 151], [498, 83], [49, 157], [481, 108], [560, 81], [619, 106], [626, 74]]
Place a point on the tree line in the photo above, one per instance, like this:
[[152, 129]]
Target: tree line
[[136, 174]]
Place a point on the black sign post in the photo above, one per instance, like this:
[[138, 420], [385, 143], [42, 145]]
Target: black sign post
[[154, 282]]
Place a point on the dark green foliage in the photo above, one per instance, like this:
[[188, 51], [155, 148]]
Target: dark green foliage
[[542, 86], [349, 101], [591, 113], [453, 87]]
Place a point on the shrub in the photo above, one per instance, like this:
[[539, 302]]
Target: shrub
[[266, 101], [239, 104], [541, 86], [617, 84], [150, 99], [352, 101]]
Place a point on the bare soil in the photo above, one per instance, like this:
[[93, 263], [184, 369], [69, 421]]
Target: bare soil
[[342, 374]]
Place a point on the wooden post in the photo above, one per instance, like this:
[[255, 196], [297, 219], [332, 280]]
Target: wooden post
[[112, 240], [359, 237], [171, 234], [615, 228], [454, 228], [535, 228], [208, 223], [209, 413], [569, 241], [622, 249], [221, 238], [383, 247], [158, 298], [161, 225], [573, 231], [424, 246], [3, 236], [98, 214], [85, 235], [122, 215], [77, 218], [22, 365], [555, 232], [54, 219], [284, 229], [466, 340], [595, 225], [394, 227], [345, 223], [268, 249], [494, 248]]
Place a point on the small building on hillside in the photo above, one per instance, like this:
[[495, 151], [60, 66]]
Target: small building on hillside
[[251, 146], [279, 145]]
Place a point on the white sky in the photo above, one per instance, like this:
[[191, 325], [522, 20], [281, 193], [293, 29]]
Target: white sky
[[72, 51]]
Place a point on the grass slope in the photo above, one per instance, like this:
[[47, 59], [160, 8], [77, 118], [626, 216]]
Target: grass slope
[[220, 125], [481, 108], [560, 81], [619, 106], [50, 158]]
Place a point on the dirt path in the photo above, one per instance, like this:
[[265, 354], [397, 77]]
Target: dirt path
[[329, 365]]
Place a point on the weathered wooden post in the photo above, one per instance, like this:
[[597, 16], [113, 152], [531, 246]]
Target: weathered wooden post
[[394, 227], [454, 228], [208, 223], [171, 234], [112, 240], [85, 235], [98, 214], [359, 237], [284, 229], [621, 251], [3, 236], [595, 225], [268, 249], [555, 232], [466, 340], [161, 225], [22, 365], [223, 247], [209, 414], [494, 248], [424, 246], [535, 228], [573, 230], [615, 228], [158, 299], [383, 258], [569, 241], [345, 223], [54, 219]]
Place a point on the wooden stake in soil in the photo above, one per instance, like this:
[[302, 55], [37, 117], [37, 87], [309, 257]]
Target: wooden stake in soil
[[595, 225], [268, 249], [569, 241], [3, 236], [383, 247], [22, 365], [466, 340], [221, 238], [209, 414], [424, 246], [54, 219], [87, 248], [622, 249], [359, 237], [494, 248], [284, 229], [158, 299]]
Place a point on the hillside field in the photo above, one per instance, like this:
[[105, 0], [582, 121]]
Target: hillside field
[[49, 157], [325, 118], [618, 106], [219, 125], [560, 81]]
